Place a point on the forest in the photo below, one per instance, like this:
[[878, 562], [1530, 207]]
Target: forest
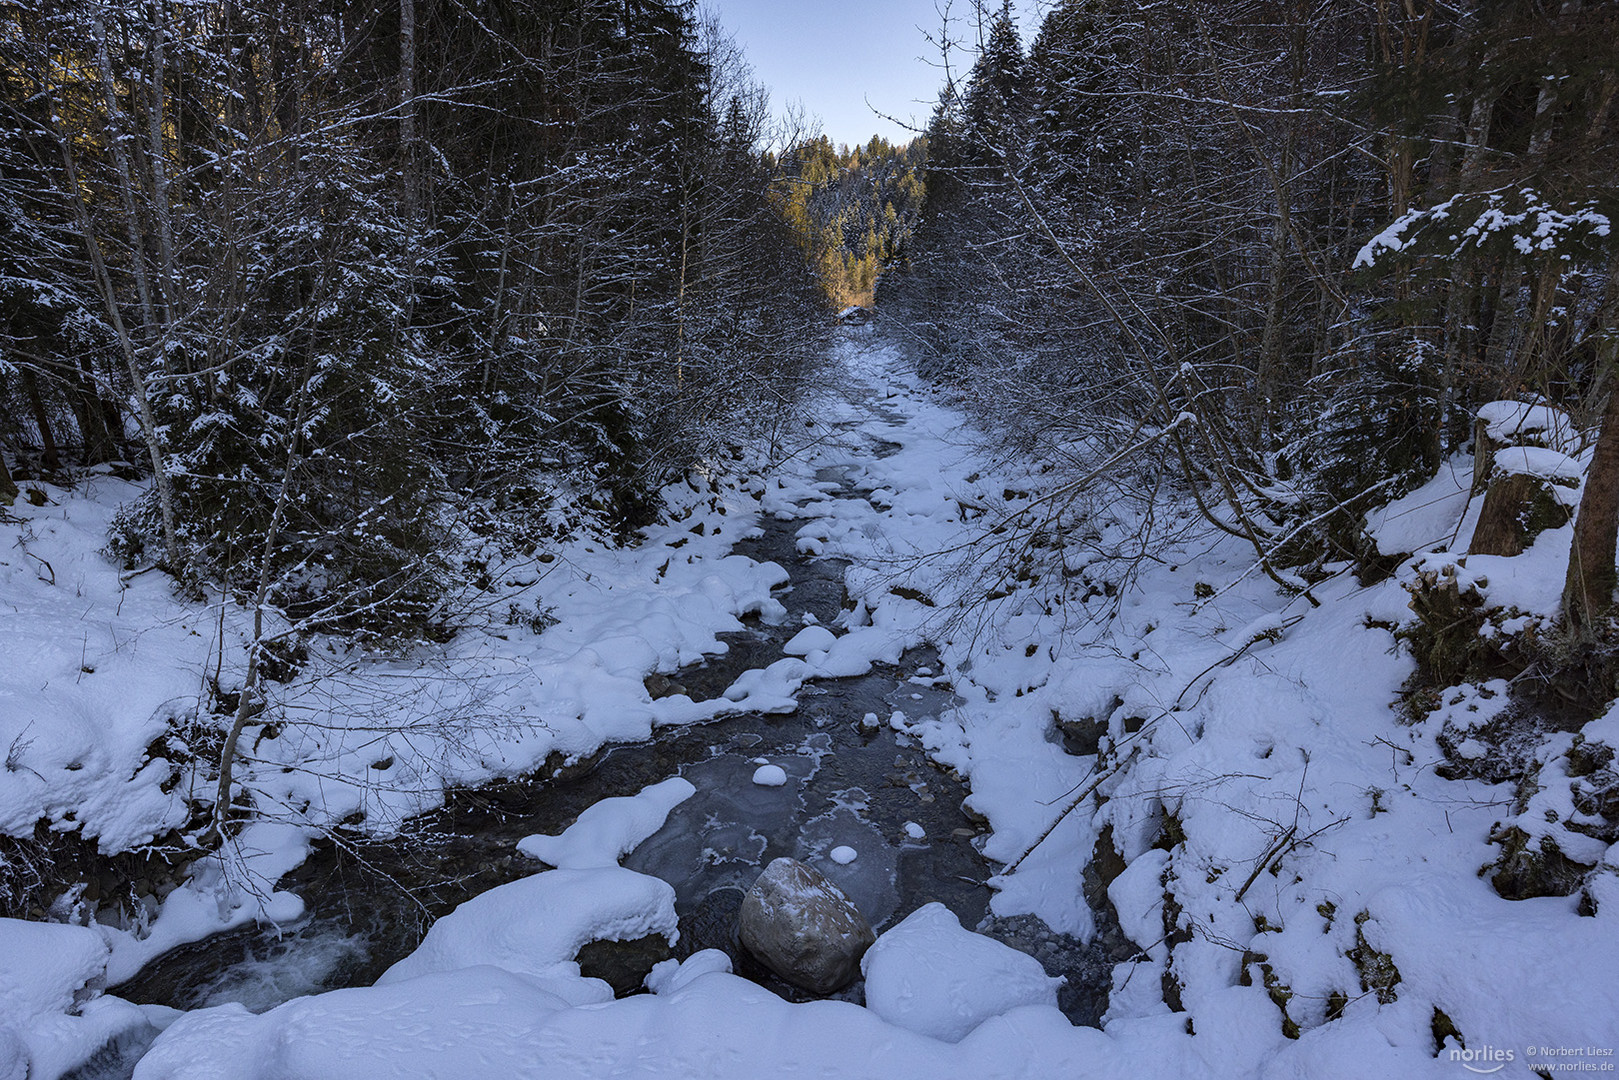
[[1323, 235], [853, 211], [306, 273], [452, 523], [340, 283]]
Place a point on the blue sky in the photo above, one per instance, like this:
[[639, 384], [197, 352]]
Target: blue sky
[[835, 56]]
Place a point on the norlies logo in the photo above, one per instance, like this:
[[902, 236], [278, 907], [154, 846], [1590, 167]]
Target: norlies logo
[[1483, 1059]]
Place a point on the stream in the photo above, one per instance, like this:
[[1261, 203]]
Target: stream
[[850, 783]]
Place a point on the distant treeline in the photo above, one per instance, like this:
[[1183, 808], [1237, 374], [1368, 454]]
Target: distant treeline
[[853, 211]]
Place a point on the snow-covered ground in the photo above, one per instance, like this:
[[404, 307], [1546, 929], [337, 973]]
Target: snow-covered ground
[[1302, 885]]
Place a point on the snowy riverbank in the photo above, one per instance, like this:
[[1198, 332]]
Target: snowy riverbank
[[1301, 883]]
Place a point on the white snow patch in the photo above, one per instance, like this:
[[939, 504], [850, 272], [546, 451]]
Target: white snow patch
[[536, 926], [1512, 421], [1538, 461], [930, 976], [770, 776], [1428, 518], [809, 640], [610, 829], [52, 1014], [671, 975]]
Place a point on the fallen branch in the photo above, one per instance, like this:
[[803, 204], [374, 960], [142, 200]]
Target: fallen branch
[[1090, 788]]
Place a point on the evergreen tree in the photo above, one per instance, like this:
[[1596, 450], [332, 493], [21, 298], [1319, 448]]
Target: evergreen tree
[[356, 272], [993, 113]]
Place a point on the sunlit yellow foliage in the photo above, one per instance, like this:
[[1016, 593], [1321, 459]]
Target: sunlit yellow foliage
[[852, 211]]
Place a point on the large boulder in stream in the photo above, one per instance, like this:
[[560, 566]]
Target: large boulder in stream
[[802, 927]]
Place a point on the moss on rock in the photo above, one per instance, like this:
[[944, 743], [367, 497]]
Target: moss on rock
[[1529, 868], [1378, 975]]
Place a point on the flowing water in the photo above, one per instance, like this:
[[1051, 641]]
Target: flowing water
[[849, 784]]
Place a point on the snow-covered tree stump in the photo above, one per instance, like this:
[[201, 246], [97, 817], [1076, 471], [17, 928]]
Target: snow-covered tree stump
[[1501, 424], [1531, 489]]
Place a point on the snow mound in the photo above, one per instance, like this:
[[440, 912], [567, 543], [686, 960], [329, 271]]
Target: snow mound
[[13, 1056], [536, 926], [672, 975], [52, 1014], [610, 829], [43, 965], [930, 976], [92, 671], [808, 640], [1551, 465], [1513, 421], [449, 1024], [770, 776], [1427, 518]]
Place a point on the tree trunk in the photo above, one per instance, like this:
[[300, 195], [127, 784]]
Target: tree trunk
[[92, 412], [158, 158], [8, 486], [51, 459], [1464, 293], [121, 129], [1503, 326], [407, 112], [1588, 590], [137, 381]]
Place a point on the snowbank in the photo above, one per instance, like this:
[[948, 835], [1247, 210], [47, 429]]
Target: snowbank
[[610, 829], [930, 976], [94, 669], [537, 925], [52, 1016]]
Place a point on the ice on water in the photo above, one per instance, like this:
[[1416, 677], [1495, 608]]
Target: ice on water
[[727, 832]]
